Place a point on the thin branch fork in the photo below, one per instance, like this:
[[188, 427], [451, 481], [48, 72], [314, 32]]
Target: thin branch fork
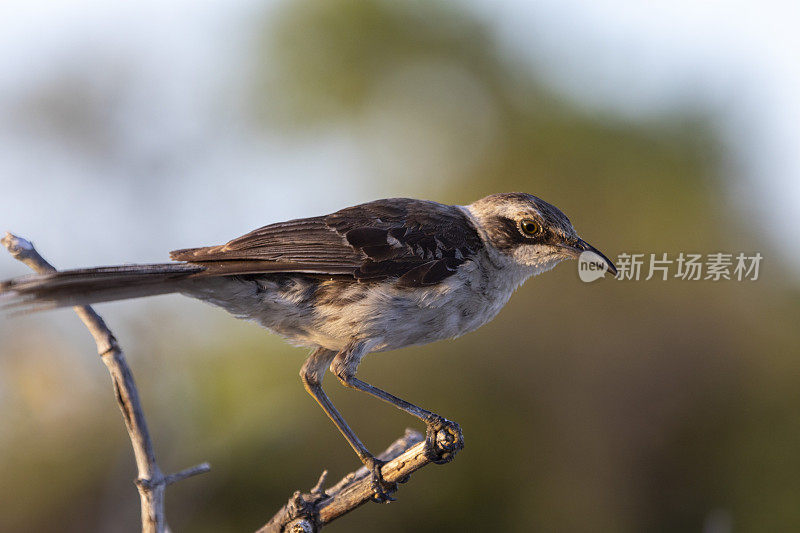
[[151, 481]]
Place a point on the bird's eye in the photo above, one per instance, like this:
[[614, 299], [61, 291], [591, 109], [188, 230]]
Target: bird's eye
[[529, 227]]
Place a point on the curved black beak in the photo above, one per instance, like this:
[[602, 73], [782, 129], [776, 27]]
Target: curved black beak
[[583, 246]]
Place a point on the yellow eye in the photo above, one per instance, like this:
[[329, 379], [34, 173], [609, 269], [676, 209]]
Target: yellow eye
[[529, 227]]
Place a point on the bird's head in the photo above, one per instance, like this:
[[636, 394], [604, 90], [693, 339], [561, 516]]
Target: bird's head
[[530, 231]]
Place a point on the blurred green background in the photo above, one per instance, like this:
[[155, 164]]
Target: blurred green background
[[613, 406]]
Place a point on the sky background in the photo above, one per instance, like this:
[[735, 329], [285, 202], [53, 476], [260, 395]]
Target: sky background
[[160, 66]]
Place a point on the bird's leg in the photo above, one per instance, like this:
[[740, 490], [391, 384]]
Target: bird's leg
[[312, 373], [443, 437]]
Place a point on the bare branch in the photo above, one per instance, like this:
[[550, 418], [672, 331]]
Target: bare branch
[[151, 482], [202, 468], [309, 512]]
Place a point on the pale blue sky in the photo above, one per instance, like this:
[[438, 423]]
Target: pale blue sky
[[161, 65]]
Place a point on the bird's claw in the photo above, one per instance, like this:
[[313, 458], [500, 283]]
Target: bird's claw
[[443, 438], [382, 490]]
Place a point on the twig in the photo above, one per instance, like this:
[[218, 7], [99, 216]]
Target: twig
[[309, 512], [151, 482]]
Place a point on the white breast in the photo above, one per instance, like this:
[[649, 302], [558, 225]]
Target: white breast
[[387, 316], [393, 317]]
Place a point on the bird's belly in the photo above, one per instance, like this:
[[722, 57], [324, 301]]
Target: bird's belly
[[394, 317], [427, 325], [311, 312]]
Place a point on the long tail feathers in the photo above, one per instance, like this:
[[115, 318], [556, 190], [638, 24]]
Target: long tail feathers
[[93, 285]]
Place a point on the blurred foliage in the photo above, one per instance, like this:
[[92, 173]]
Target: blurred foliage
[[615, 406]]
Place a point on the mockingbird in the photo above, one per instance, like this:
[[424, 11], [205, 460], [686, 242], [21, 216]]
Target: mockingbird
[[369, 278]]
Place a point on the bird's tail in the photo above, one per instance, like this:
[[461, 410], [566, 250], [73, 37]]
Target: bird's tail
[[92, 285]]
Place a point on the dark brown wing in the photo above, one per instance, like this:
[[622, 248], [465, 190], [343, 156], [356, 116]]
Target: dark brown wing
[[417, 241], [303, 245]]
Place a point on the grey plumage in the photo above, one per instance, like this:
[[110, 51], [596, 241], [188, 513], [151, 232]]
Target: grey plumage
[[397, 271]]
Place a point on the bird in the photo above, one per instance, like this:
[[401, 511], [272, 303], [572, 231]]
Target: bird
[[370, 278]]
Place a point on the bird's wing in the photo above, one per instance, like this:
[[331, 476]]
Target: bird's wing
[[305, 244], [417, 241]]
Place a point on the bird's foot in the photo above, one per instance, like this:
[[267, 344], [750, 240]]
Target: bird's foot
[[443, 438], [382, 490]]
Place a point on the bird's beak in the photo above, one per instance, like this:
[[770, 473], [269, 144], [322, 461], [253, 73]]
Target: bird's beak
[[583, 246]]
